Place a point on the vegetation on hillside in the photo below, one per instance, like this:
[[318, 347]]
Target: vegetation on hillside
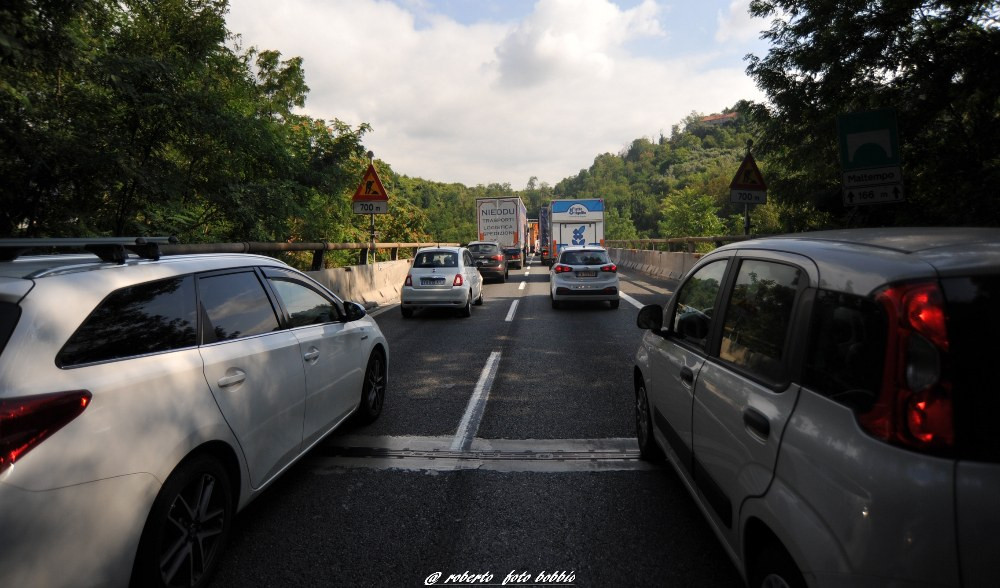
[[125, 117]]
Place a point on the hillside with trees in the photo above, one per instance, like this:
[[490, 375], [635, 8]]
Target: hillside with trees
[[141, 117]]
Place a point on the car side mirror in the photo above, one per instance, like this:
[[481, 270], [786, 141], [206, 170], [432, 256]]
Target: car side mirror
[[650, 317], [354, 311]]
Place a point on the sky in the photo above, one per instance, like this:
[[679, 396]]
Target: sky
[[500, 91]]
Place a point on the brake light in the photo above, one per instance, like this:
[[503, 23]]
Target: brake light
[[609, 268], [458, 280], [915, 404], [561, 269], [27, 421], [497, 258], [409, 280]]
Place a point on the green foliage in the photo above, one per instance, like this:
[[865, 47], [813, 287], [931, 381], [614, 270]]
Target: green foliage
[[936, 63]]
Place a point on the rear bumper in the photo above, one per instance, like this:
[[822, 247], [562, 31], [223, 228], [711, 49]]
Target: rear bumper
[[585, 293], [81, 535], [413, 298]]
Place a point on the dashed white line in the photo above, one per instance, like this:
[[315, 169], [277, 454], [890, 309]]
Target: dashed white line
[[630, 300], [510, 313], [523, 284], [469, 426]]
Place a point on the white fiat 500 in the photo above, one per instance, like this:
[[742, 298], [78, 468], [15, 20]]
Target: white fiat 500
[[442, 277], [143, 402]]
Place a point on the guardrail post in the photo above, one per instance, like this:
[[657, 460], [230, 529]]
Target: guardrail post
[[394, 253], [363, 256], [317, 263]]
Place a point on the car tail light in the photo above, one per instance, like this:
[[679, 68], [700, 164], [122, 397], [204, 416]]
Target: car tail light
[[458, 280], [409, 280], [915, 404], [561, 269], [497, 258], [609, 268], [27, 421]]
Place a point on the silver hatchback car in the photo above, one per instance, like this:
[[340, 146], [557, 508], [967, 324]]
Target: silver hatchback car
[[583, 273], [829, 399], [441, 277], [145, 401]]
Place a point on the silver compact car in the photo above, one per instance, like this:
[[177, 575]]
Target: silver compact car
[[143, 402], [441, 277], [583, 273], [829, 399]]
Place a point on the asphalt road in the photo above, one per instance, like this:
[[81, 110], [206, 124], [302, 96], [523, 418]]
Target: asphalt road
[[505, 453]]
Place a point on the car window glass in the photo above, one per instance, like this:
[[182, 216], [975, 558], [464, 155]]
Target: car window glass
[[758, 316], [235, 305], [305, 306], [436, 259], [483, 248], [692, 319], [9, 314], [847, 336], [145, 318], [585, 257]]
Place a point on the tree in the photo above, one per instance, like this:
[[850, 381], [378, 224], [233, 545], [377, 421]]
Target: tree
[[685, 213], [936, 63]]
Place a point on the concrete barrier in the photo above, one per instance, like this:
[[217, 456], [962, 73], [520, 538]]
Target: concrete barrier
[[371, 285], [666, 264]]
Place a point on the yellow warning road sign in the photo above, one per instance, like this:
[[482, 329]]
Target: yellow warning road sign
[[371, 187], [748, 176]]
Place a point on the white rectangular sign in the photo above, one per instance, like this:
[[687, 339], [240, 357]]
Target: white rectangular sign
[[748, 196], [878, 176], [873, 194], [371, 207]]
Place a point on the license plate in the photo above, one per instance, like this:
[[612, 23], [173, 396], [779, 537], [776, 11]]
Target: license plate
[[586, 274], [431, 281]]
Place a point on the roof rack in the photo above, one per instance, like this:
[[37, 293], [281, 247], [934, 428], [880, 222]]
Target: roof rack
[[109, 249]]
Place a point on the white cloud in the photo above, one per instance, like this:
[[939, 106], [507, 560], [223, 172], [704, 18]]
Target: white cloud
[[737, 25], [488, 103]]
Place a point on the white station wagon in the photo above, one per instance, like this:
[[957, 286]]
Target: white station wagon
[[143, 402]]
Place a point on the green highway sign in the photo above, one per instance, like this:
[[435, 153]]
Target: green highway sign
[[868, 139]]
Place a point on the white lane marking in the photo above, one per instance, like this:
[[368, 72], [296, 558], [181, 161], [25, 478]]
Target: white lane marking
[[477, 404], [431, 454], [510, 313], [523, 284], [630, 300]]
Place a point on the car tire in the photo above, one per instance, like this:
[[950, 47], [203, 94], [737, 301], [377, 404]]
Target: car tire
[[191, 515], [615, 304], [479, 301], [773, 567], [372, 389], [406, 312], [503, 277], [467, 309], [555, 303], [648, 449]]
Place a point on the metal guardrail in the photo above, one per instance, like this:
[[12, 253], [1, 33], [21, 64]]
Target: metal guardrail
[[116, 249], [318, 249], [672, 244]]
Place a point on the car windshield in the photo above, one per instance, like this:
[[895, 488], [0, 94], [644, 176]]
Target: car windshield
[[585, 257], [435, 259], [483, 248]]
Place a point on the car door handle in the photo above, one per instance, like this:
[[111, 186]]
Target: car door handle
[[311, 355], [687, 376], [757, 422], [237, 378]]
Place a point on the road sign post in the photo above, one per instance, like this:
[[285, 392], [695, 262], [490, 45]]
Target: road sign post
[[748, 187], [371, 198]]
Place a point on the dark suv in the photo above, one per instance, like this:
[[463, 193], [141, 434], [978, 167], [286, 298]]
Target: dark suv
[[489, 259], [829, 400]]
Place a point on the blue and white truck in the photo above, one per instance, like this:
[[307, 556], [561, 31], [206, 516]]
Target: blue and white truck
[[576, 222]]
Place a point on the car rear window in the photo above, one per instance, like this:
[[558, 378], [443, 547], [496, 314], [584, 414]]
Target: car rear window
[[484, 248], [436, 259], [973, 331], [585, 257], [146, 318]]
